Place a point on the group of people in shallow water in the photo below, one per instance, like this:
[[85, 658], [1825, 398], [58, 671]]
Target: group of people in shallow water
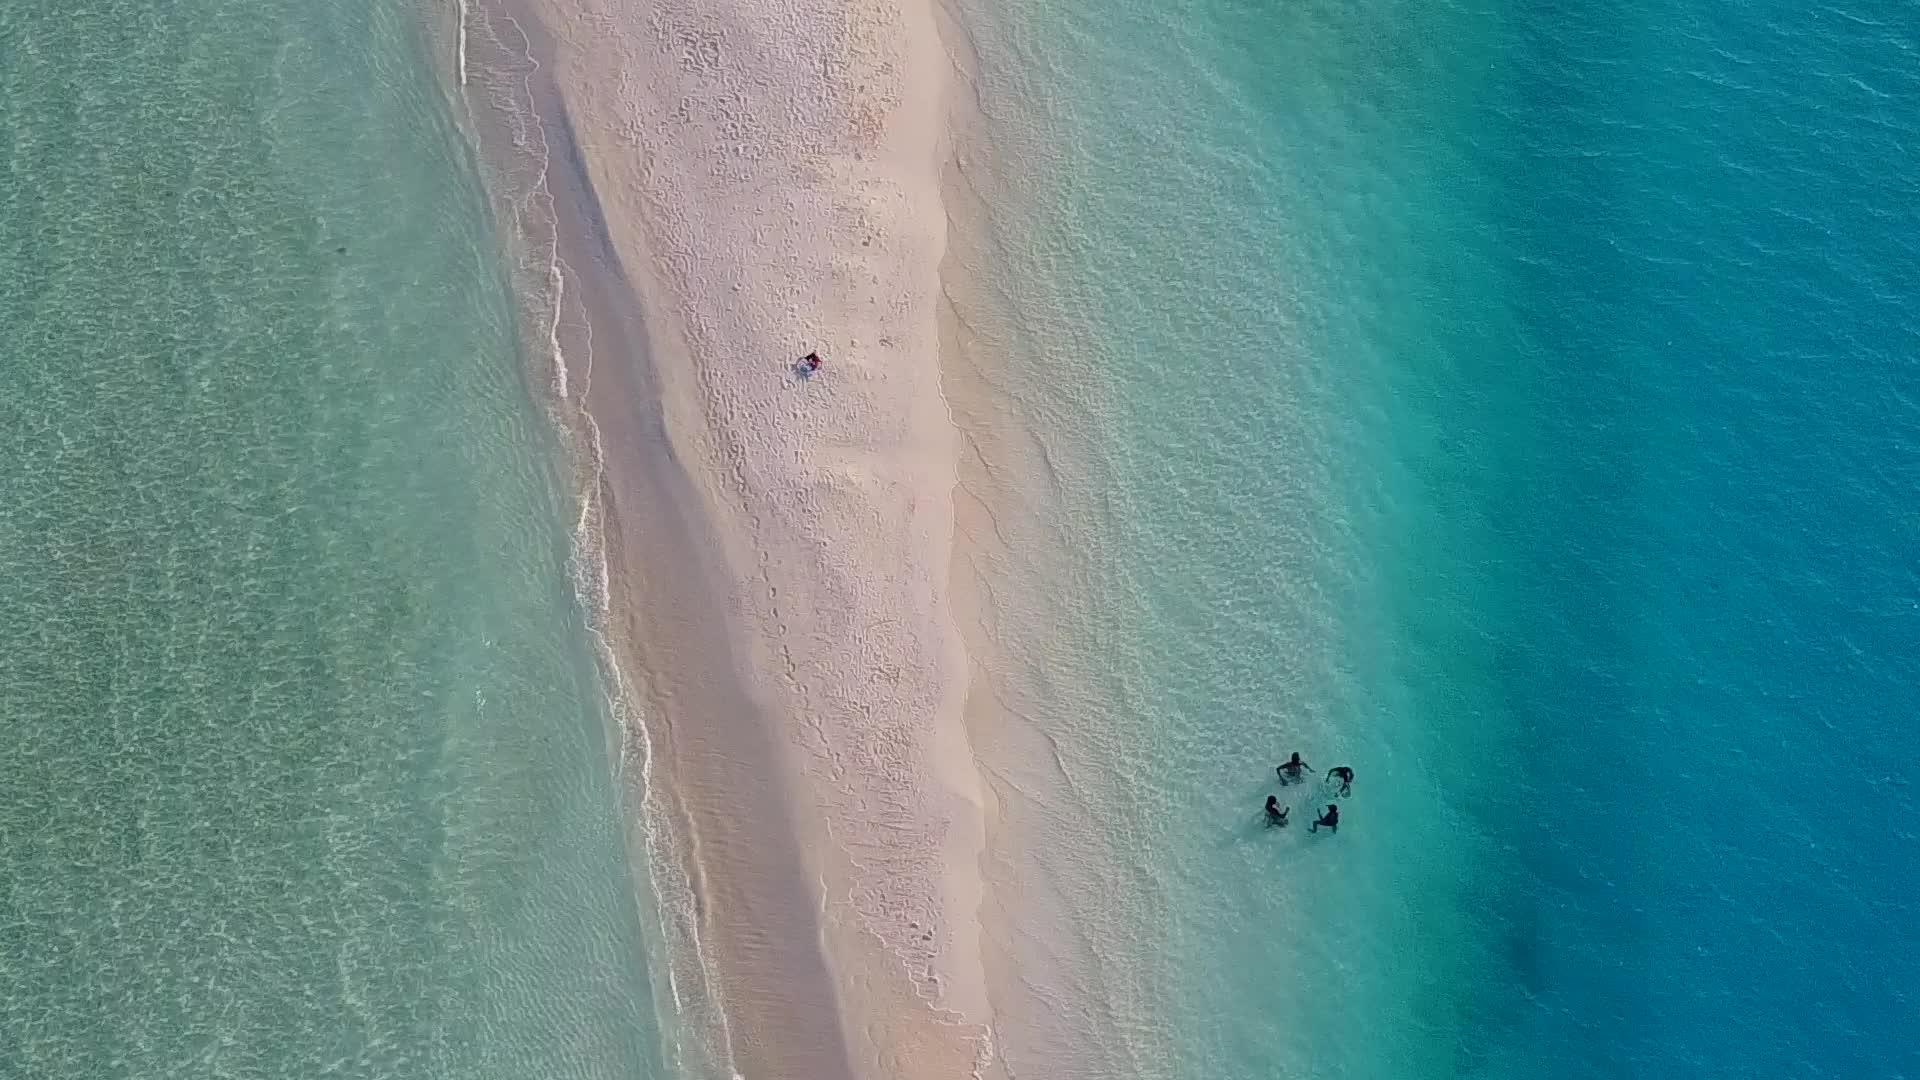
[[1295, 771]]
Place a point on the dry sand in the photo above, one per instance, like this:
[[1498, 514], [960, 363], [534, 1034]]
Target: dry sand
[[738, 182]]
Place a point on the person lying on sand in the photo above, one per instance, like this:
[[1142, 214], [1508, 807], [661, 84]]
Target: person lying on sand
[[807, 364], [1330, 819], [1291, 771], [1276, 814]]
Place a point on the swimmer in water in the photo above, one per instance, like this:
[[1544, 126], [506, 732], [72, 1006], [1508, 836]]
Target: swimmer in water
[[1276, 814], [1346, 779], [1290, 772], [1330, 819]]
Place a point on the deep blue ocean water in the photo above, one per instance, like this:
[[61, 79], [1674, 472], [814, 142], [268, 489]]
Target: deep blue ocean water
[[1714, 233], [1518, 403]]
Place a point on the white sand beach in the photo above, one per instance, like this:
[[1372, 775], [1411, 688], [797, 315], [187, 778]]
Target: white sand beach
[[738, 184]]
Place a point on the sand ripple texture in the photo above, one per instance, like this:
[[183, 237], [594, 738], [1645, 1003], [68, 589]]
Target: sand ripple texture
[[770, 174]]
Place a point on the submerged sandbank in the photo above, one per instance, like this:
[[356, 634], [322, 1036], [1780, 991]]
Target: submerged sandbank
[[736, 185]]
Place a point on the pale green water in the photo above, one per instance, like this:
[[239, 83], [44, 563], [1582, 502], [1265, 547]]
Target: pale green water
[[303, 757]]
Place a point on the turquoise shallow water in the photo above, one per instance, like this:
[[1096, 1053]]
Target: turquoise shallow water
[[304, 768], [1515, 403]]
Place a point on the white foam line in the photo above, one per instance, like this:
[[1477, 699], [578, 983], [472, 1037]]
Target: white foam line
[[592, 590], [596, 598], [558, 281], [460, 41]]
